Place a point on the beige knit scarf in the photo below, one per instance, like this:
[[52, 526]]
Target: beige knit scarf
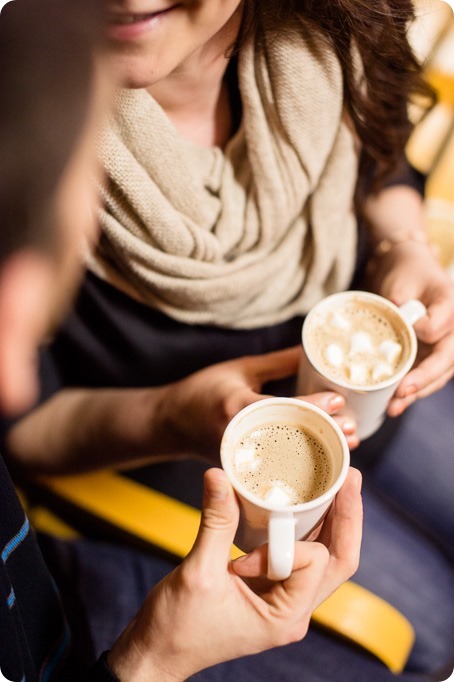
[[246, 236]]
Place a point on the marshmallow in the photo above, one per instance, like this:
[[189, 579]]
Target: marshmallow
[[334, 355], [382, 371], [277, 497], [360, 342], [339, 321], [246, 459], [357, 373], [390, 351]]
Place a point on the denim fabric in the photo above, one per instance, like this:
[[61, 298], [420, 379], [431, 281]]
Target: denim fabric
[[102, 586], [404, 567], [320, 657], [414, 468], [111, 583]]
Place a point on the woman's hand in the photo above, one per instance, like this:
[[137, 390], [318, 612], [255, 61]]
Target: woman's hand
[[196, 410], [93, 428], [411, 270], [204, 612]]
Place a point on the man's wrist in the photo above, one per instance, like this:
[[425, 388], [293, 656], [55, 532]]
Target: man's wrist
[[126, 664]]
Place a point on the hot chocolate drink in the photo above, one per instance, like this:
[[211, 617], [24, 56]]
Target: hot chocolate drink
[[358, 343]]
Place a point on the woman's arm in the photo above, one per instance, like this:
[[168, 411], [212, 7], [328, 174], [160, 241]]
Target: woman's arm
[[403, 266]]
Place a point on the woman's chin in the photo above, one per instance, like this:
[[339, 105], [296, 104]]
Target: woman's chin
[[130, 74]]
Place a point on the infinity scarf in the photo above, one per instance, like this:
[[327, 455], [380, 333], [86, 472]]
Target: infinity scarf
[[247, 236]]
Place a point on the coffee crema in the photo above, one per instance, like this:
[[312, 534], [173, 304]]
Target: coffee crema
[[282, 464], [357, 343]]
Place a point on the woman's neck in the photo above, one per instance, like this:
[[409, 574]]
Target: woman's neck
[[195, 96]]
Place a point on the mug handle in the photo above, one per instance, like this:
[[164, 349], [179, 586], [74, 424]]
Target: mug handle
[[412, 311], [281, 545]]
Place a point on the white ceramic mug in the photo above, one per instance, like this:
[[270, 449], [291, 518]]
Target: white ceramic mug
[[280, 526], [366, 404]]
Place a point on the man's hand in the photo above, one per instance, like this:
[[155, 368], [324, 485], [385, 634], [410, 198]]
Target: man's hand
[[210, 610]]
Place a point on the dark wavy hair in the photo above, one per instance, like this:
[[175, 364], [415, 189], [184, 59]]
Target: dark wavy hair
[[47, 53], [378, 105]]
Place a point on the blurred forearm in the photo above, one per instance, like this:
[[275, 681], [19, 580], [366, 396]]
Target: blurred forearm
[[396, 211], [82, 429]]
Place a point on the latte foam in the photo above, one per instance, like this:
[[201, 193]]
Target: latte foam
[[282, 464]]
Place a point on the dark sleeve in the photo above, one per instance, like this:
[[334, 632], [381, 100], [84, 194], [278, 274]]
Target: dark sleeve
[[101, 671], [405, 174], [409, 176]]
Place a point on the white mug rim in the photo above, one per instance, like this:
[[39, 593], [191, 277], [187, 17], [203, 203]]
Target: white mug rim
[[360, 388], [302, 506]]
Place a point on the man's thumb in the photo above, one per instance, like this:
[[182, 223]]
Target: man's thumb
[[219, 520]]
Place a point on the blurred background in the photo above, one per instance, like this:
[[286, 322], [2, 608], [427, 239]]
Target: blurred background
[[431, 147]]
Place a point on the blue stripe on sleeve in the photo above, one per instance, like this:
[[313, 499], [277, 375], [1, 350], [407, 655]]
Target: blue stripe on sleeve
[[16, 540], [11, 599]]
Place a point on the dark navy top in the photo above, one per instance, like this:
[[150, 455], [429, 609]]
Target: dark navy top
[[35, 641]]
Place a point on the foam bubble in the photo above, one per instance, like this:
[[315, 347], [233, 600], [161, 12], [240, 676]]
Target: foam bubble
[[288, 459]]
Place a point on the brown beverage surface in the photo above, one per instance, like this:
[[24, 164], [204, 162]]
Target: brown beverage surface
[[286, 456], [360, 317]]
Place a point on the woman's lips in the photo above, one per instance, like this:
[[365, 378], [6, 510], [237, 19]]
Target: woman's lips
[[125, 26]]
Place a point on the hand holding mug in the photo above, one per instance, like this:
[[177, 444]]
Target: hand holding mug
[[181, 628], [360, 345]]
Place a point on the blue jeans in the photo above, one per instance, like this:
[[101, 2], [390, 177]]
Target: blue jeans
[[412, 465], [397, 563]]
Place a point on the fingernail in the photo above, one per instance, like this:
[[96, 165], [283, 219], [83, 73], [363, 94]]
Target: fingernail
[[216, 486], [352, 442], [358, 480], [336, 402], [398, 409], [348, 427]]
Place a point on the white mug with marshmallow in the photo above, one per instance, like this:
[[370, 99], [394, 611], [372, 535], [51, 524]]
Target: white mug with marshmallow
[[272, 519], [366, 402]]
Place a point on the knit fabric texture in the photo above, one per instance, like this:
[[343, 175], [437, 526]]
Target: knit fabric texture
[[245, 236]]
